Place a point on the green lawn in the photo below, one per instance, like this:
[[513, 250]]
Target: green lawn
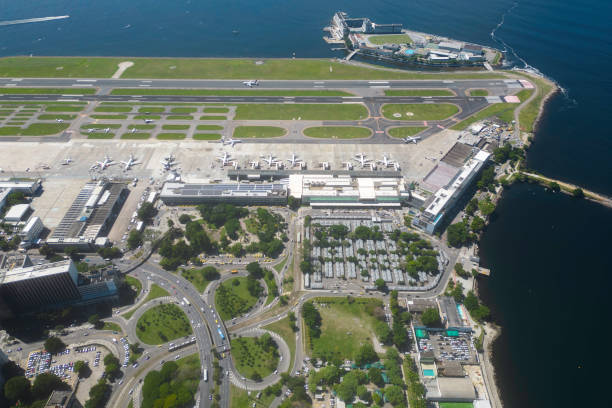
[[240, 398], [317, 111], [213, 118], [283, 329], [35, 129], [345, 327], [529, 113], [479, 92], [109, 117], [524, 94], [456, 405], [179, 117], [237, 300], [338, 132], [209, 127], [154, 293], [134, 283], [141, 127], [175, 127], [170, 136], [58, 67], [503, 111], [101, 126], [279, 266], [405, 131], [418, 92], [113, 109], [112, 326], [216, 110], [250, 357], [136, 135], [53, 117], [98, 135], [206, 136], [197, 279], [419, 111], [390, 39], [49, 91], [246, 132], [63, 108], [162, 323], [143, 117], [151, 109], [183, 110]]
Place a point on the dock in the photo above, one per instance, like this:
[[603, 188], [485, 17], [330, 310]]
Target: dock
[[351, 55]]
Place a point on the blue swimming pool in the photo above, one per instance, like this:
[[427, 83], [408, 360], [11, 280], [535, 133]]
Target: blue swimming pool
[[429, 373], [409, 52]]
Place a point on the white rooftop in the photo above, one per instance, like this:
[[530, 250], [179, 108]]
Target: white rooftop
[[17, 211], [36, 271]]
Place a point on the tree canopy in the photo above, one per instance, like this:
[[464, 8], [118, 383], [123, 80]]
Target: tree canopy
[[431, 317]]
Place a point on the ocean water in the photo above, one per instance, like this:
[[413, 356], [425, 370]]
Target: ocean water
[[549, 249]]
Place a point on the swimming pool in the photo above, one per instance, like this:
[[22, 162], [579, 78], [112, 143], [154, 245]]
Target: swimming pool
[[409, 52], [460, 311], [429, 373]]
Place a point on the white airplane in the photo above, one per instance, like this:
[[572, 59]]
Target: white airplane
[[106, 130], [294, 160], [59, 120], [325, 165], [254, 164], [91, 130], [148, 120], [270, 160], [133, 130], [230, 141], [225, 159], [412, 139], [103, 164], [385, 161], [348, 164], [361, 159], [131, 162], [372, 165], [66, 161], [396, 166], [251, 83], [168, 162]]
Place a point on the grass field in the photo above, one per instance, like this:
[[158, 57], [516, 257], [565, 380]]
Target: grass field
[[143, 117], [419, 92], [503, 111], [100, 135], [58, 67], [170, 136], [405, 131], [136, 136], [151, 109], [250, 358], [279, 266], [141, 127], [345, 327], [175, 127], [53, 117], [63, 108], [247, 132], [197, 279], [456, 405], [47, 91], [183, 110], [283, 329], [154, 293], [179, 117], [206, 136], [229, 92], [134, 283], [162, 323], [318, 111], [35, 129], [240, 398], [390, 39], [209, 127], [524, 94], [109, 117], [119, 109], [338, 132], [419, 111], [479, 92], [216, 110], [213, 118], [238, 300], [101, 126], [112, 326]]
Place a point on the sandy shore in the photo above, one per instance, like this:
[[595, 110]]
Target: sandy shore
[[491, 333]]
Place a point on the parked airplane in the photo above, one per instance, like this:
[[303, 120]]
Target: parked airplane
[[148, 120], [412, 139], [230, 141], [168, 162], [133, 130], [251, 83], [325, 165], [254, 164], [371, 165], [66, 161], [131, 162], [348, 164], [225, 159], [269, 159], [59, 120], [103, 164], [91, 130], [361, 159], [294, 160], [386, 161]]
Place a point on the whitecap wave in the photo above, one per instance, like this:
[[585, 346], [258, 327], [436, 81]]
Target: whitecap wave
[[32, 20]]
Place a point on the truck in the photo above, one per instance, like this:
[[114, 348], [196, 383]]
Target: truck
[[186, 301]]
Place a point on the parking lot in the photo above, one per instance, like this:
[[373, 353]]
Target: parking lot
[[449, 348]]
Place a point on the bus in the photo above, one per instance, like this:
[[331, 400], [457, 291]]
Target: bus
[[205, 375], [186, 301], [220, 333]]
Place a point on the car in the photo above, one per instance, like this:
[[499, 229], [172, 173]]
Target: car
[[210, 397], [177, 357]]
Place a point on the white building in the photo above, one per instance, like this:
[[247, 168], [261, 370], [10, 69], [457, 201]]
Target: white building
[[16, 212], [32, 229]]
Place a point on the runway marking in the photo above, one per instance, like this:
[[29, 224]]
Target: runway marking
[[81, 85], [73, 96], [144, 85], [319, 82], [11, 85], [448, 81], [380, 131], [17, 79], [67, 100], [147, 81], [136, 96], [319, 86], [87, 80], [352, 97], [380, 86], [378, 82], [424, 123]]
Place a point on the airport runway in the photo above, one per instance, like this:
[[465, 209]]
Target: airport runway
[[455, 84]]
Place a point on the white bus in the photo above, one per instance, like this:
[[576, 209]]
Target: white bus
[[186, 301], [205, 375]]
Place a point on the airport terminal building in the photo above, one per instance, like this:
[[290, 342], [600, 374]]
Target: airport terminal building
[[231, 193]]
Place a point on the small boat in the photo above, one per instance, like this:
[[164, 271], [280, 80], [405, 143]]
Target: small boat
[[235, 32]]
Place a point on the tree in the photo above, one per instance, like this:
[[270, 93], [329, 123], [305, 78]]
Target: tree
[[72, 252], [293, 203], [578, 193], [365, 355], [380, 285], [486, 207], [95, 321], [80, 367], [458, 234], [477, 224], [110, 252], [364, 394], [54, 345], [395, 395], [98, 395], [312, 318], [255, 270], [111, 366], [375, 376], [471, 207], [17, 389], [431, 317], [46, 251], [554, 186], [134, 239], [45, 383], [471, 301], [146, 212], [236, 249], [184, 218]]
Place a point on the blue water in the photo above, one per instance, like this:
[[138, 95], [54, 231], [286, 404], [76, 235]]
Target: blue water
[[548, 253]]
